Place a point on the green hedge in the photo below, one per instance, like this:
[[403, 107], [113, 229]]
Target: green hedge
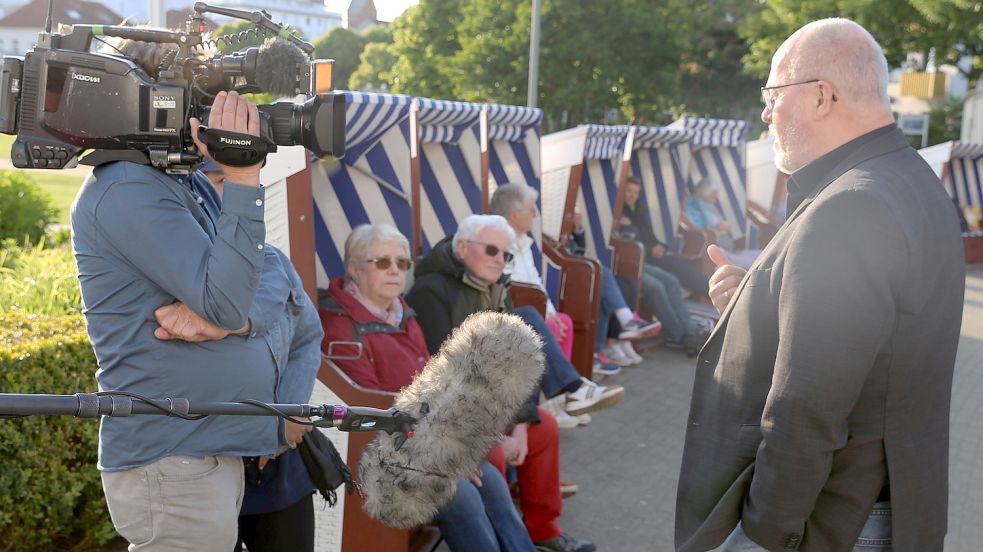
[[25, 209], [51, 496]]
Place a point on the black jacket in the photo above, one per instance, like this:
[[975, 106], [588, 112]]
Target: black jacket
[[829, 372], [442, 300]]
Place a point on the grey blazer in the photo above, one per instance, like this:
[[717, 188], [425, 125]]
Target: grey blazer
[[829, 373]]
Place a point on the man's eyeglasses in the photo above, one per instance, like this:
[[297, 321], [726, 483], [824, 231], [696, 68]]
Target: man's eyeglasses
[[769, 101], [493, 250], [383, 263]]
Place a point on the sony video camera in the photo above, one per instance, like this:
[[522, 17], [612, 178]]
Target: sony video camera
[[62, 99]]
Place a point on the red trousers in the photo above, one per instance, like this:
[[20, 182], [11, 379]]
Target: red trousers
[[539, 479]]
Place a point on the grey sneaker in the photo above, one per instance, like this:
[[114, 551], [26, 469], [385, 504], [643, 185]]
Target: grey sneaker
[[565, 543]]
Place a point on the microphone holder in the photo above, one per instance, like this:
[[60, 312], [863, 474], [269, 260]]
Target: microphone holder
[[117, 404]]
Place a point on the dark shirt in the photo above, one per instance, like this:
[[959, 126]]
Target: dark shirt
[[803, 182]]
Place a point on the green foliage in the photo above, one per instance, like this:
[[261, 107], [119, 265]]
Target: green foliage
[[25, 209], [38, 279], [951, 27], [642, 61], [52, 495], [424, 39], [945, 121], [344, 47], [374, 71]]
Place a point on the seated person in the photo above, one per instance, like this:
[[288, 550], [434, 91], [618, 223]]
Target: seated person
[[278, 505], [636, 224], [373, 336], [613, 308], [464, 274], [702, 210], [662, 292]]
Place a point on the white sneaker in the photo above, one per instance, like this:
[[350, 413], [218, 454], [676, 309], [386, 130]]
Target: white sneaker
[[566, 421], [617, 356], [629, 352], [555, 407], [583, 419], [591, 397]]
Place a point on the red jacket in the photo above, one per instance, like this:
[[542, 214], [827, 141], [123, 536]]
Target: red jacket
[[390, 356]]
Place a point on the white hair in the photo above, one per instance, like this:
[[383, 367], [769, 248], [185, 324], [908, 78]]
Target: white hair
[[472, 225], [365, 236], [844, 53], [511, 197], [705, 186]]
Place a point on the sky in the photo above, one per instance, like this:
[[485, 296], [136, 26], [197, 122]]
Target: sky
[[387, 9]]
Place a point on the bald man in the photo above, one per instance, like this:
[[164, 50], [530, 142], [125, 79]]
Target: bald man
[[820, 411]]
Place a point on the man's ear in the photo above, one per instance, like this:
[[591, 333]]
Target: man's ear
[[825, 99]]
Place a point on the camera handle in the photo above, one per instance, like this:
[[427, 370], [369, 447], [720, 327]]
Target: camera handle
[[235, 149]]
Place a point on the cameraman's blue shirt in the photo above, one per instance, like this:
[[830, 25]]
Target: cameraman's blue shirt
[[143, 239]]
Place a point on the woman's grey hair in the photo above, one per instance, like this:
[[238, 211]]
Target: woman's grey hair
[[511, 197], [705, 186], [365, 236], [844, 53], [472, 225]]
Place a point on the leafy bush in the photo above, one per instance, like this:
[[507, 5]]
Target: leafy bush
[[38, 279], [25, 209], [52, 494]]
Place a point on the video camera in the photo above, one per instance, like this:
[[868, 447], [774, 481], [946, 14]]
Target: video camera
[[61, 99]]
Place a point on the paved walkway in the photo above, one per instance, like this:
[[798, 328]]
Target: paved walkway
[[627, 461]]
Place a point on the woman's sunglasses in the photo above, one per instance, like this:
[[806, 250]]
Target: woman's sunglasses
[[383, 263], [493, 250]]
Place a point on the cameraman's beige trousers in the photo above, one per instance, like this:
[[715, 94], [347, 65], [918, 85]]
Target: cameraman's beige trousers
[[177, 503]]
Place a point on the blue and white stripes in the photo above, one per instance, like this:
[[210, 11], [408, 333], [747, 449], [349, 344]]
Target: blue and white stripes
[[718, 153], [965, 177], [450, 166]]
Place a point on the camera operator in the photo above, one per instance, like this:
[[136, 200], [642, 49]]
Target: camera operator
[[143, 240]]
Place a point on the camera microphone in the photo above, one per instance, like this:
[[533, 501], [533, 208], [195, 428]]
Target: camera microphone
[[278, 68], [465, 397]]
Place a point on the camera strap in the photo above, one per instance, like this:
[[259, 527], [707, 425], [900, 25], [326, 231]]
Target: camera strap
[[234, 148]]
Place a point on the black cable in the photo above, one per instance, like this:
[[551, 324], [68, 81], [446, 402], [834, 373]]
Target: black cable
[[276, 411], [192, 417], [169, 411], [110, 45]]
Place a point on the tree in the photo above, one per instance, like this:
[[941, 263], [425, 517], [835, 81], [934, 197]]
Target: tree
[[952, 28], [344, 47], [375, 67], [424, 40]]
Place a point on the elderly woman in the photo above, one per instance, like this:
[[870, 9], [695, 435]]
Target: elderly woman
[[464, 274], [373, 336], [702, 210]]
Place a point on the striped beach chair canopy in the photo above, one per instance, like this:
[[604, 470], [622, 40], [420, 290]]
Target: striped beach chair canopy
[[718, 152], [660, 161], [514, 155], [450, 166], [370, 184], [963, 179], [761, 176], [603, 149]]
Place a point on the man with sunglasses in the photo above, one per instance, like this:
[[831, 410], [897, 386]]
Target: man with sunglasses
[[820, 410], [464, 274]]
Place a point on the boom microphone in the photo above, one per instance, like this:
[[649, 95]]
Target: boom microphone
[[466, 396], [278, 65]]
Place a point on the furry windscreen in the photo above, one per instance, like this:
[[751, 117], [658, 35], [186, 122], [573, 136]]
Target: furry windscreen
[[474, 387]]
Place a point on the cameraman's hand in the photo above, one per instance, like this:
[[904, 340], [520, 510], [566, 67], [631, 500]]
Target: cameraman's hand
[[177, 321], [232, 112]]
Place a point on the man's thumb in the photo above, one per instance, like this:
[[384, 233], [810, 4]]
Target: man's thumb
[[717, 255]]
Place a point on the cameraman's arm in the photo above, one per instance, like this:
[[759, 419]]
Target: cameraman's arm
[[152, 229]]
